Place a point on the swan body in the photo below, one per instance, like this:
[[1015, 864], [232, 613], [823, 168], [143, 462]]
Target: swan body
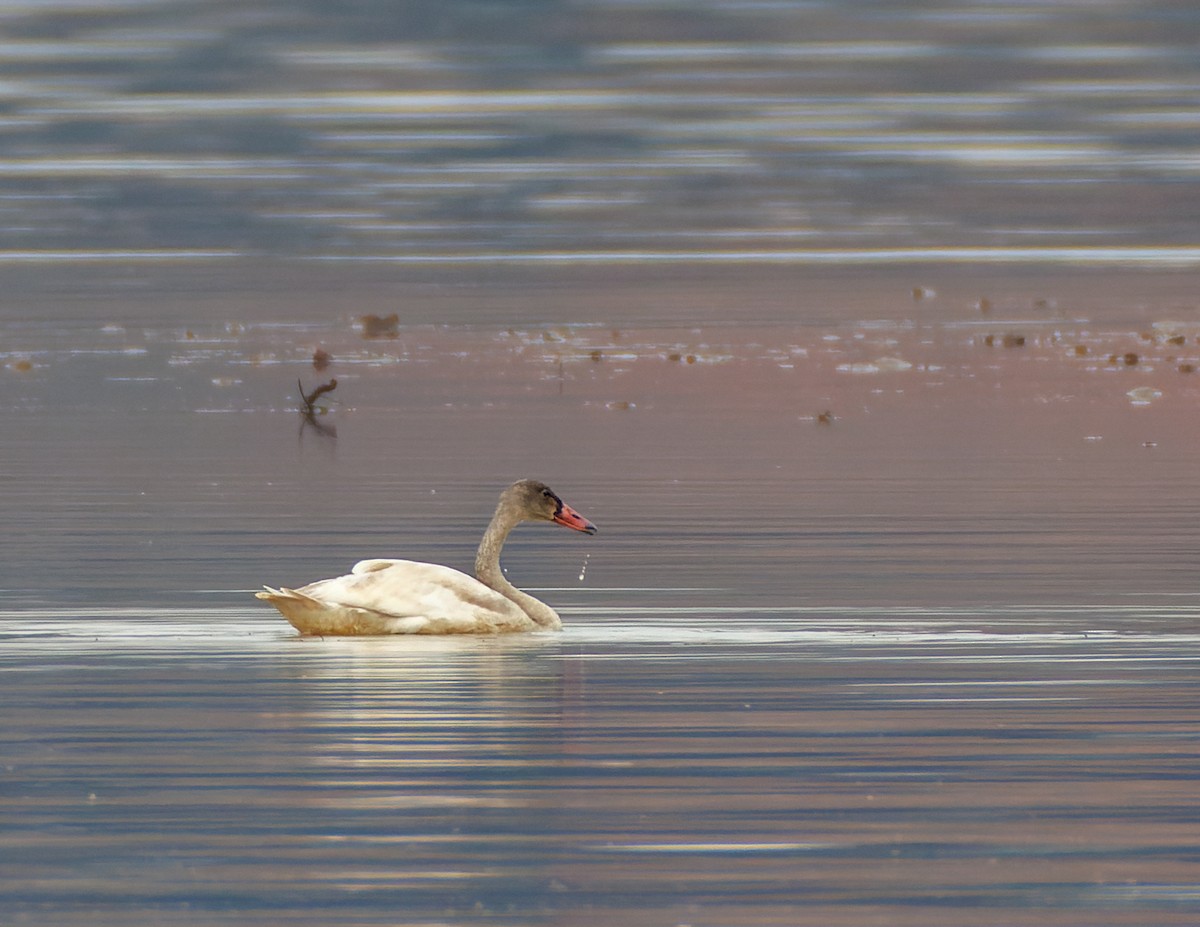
[[382, 596]]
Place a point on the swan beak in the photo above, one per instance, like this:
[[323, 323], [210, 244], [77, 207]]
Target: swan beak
[[569, 518]]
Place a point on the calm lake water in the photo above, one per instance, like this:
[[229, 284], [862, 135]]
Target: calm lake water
[[868, 336]]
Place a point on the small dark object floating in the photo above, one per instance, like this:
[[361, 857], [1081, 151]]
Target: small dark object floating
[[374, 326], [310, 410]]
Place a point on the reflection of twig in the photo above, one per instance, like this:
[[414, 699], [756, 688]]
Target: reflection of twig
[[309, 412]]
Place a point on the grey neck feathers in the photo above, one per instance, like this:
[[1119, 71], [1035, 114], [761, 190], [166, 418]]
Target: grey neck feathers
[[488, 572]]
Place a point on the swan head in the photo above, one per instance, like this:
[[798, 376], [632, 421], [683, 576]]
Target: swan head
[[532, 500]]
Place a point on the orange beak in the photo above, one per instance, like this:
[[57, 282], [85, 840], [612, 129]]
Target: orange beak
[[568, 517]]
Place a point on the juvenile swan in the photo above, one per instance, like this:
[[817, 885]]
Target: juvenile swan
[[406, 597]]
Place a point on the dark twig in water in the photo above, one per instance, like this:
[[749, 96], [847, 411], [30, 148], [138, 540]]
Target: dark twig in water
[[310, 410], [310, 398]]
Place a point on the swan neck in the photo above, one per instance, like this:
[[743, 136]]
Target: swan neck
[[487, 558], [488, 572]]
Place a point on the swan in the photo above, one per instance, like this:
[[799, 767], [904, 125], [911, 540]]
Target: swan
[[406, 597]]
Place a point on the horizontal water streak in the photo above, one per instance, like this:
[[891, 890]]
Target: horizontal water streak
[[1170, 257], [1082, 256]]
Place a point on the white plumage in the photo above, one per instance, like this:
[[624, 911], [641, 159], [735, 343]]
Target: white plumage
[[381, 596]]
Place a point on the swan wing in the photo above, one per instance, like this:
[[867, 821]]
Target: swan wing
[[415, 598]]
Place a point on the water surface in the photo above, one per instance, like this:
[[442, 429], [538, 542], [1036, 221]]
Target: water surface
[[929, 659], [868, 337]]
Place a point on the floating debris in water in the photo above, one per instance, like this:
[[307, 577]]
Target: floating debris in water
[[1144, 395], [321, 359], [825, 418], [923, 292], [374, 326], [311, 398], [311, 410], [880, 365], [1009, 340]]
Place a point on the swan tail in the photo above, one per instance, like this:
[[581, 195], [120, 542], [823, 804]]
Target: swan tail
[[306, 614], [310, 615]]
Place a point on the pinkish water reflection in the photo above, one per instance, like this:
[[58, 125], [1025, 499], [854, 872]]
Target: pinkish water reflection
[[930, 661]]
